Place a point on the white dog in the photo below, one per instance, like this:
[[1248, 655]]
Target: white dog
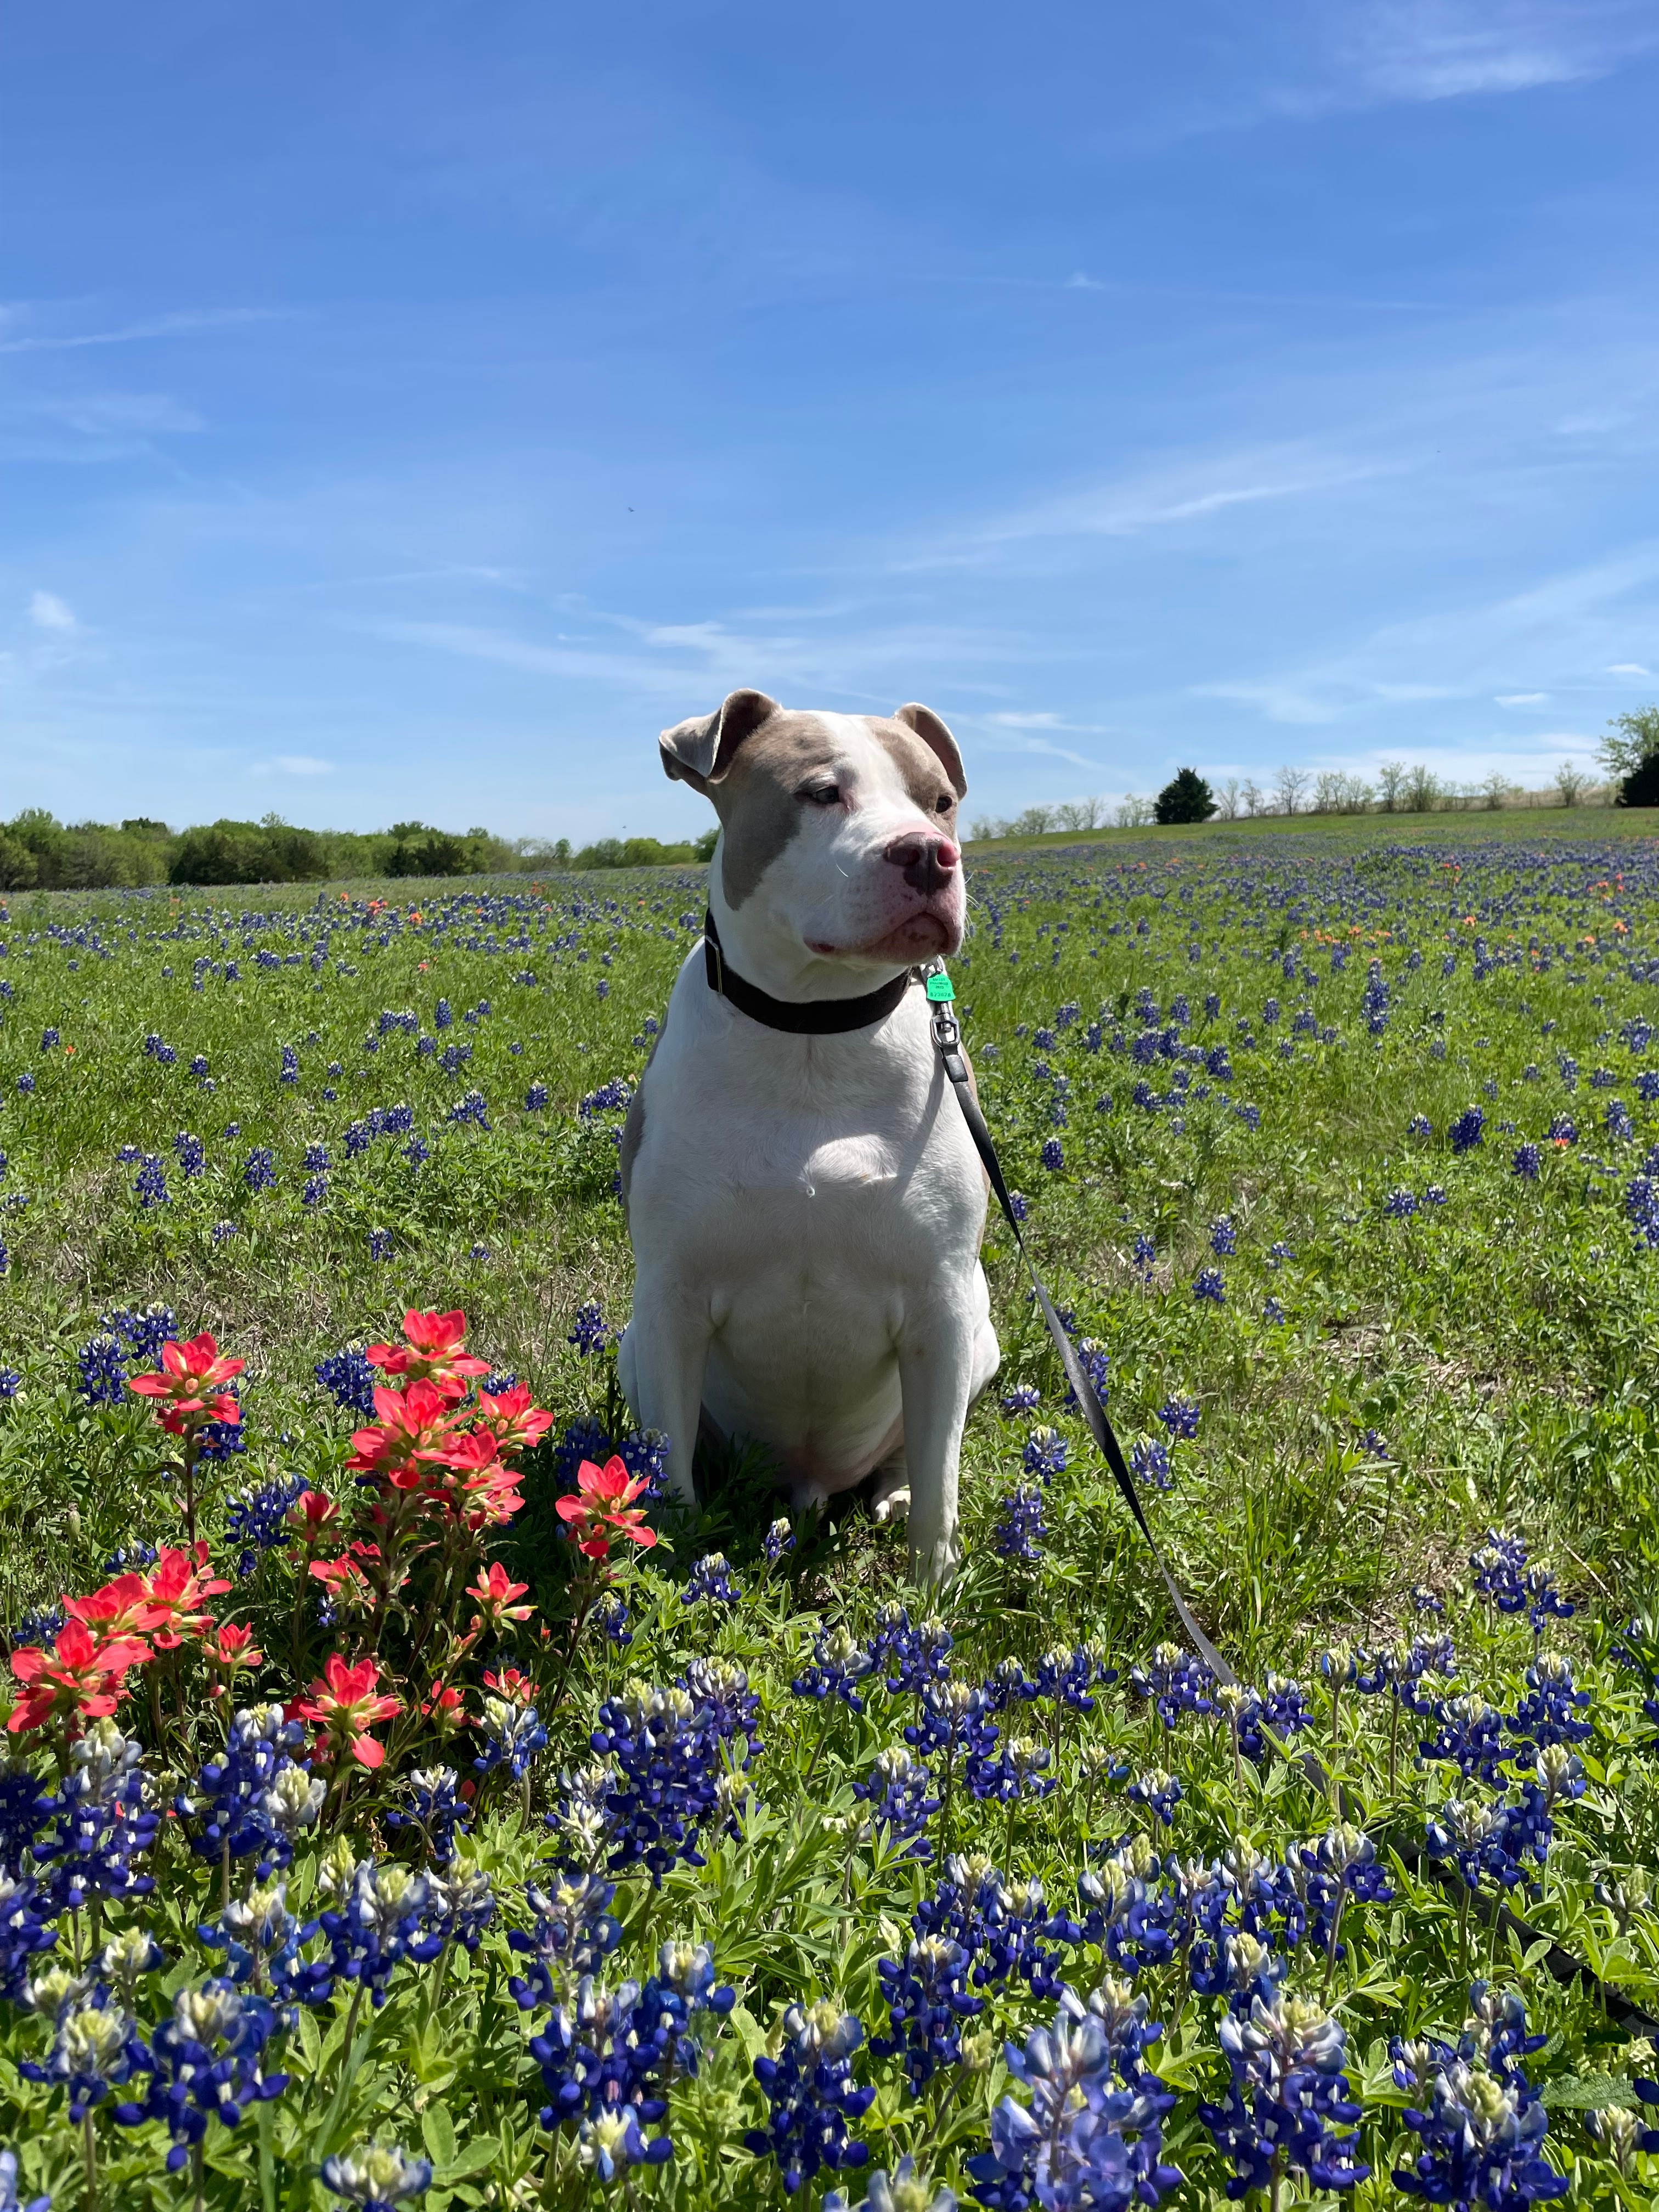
[[807, 1209]]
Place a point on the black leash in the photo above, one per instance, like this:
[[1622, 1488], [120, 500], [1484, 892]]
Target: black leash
[[948, 1038], [832, 1017]]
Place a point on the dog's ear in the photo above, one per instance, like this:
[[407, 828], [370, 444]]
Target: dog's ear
[[699, 752], [932, 731]]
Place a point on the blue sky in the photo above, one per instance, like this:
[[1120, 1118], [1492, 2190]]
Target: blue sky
[[411, 409]]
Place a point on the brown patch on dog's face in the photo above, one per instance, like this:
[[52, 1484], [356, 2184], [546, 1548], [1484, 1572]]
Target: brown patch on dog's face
[[924, 775], [758, 801]]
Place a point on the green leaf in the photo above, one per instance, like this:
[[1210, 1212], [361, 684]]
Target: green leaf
[[472, 2158], [1588, 2093], [438, 2134]]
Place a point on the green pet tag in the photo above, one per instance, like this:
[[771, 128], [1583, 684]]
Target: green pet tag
[[941, 989]]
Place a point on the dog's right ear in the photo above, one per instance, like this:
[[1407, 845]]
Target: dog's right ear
[[699, 752]]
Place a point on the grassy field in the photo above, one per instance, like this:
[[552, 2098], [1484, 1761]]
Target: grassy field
[[1336, 1138]]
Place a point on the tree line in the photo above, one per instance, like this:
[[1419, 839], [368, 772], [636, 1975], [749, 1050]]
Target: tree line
[[40, 853], [1630, 754]]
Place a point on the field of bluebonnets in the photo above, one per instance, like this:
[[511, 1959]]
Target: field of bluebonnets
[[404, 1805]]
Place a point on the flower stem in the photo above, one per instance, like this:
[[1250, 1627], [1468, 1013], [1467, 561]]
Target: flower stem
[[90, 2158]]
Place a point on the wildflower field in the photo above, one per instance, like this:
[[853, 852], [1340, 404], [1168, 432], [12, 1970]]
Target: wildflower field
[[404, 1805]]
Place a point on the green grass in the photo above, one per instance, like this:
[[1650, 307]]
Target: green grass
[[1379, 1385]]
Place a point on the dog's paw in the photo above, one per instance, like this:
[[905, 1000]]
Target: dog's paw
[[894, 1504]]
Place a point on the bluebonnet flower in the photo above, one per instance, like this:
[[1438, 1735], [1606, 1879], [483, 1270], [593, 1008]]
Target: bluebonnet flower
[[254, 1797], [103, 1371], [513, 1734], [1180, 1417], [376, 2175], [1066, 1675], [1018, 1769], [379, 1244], [255, 1519], [610, 1618], [315, 1191], [1093, 1360], [10, 1380], [1400, 1204], [379, 1920], [779, 1538], [28, 1927], [710, 1582], [222, 1230], [1174, 1682], [1419, 1126], [1562, 1130], [589, 1331], [1053, 1155], [535, 1098], [1548, 1714], [896, 1790], [204, 2064], [1092, 2135], [1045, 1453], [290, 1066], [1159, 1791], [1288, 2088], [1616, 1121], [470, 1107], [348, 1378], [1146, 1253], [573, 1930], [1434, 1195], [909, 1658], [927, 2000], [839, 1660], [666, 1746], [1019, 1530], [95, 2047], [431, 1806], [259, 1168], [1149, 1463], [101, 1821], [1224, 1238], [1019, 1205], [1481, 2123], [1208, 1285], [1024, 1398], [26, 1082], [149, 1185], [811, 2096], [192, 1154], [1465, 1132]]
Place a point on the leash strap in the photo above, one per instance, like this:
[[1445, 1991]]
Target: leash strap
[[948, 1039], [796, 1016]]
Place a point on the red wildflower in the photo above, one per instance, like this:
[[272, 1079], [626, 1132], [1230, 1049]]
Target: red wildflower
[[433, 1353], [413, 1431], [495, 1593], [510, 1417], [233, 1651], [344, 1579], [517, 1689], [314, 1512], [444, 1711], [345, 1703], [178, 1586], [81, 1678], [123, 1608], [188, 1381], [606, 1508]]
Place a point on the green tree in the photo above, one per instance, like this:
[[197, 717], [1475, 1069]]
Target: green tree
[[1185, 797], [1631, 751]]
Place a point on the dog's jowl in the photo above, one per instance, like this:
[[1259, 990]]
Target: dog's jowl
[[804, 1199]]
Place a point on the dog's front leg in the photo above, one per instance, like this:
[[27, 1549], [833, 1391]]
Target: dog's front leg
[[666, 1349], [936, 1360]]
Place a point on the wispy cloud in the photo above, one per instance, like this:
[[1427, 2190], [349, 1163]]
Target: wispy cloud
[[1628, 668], [48, 612], [301, 764], [119, 414], [1520, 698], [153, 326]]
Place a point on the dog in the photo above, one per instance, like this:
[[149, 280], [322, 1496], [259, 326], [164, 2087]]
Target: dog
[[806, 1211]]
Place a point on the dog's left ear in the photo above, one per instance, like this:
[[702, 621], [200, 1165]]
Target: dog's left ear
[[699, 752], [933, 732]]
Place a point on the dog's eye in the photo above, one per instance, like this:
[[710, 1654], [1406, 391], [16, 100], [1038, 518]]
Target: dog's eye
[[822, 794], [942, 804]]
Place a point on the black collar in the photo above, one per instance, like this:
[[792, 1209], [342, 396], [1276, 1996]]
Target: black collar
[[800, 1017]]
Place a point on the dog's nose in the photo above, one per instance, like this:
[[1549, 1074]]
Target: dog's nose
[[927, 861]]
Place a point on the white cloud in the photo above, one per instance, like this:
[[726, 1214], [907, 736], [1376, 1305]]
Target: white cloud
[[1520, 698], [113, 414], [301, 764], [1628, 668], [47, 611], [1077, 281], [157, 326]]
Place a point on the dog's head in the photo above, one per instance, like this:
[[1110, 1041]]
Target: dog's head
[[839, 829]]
